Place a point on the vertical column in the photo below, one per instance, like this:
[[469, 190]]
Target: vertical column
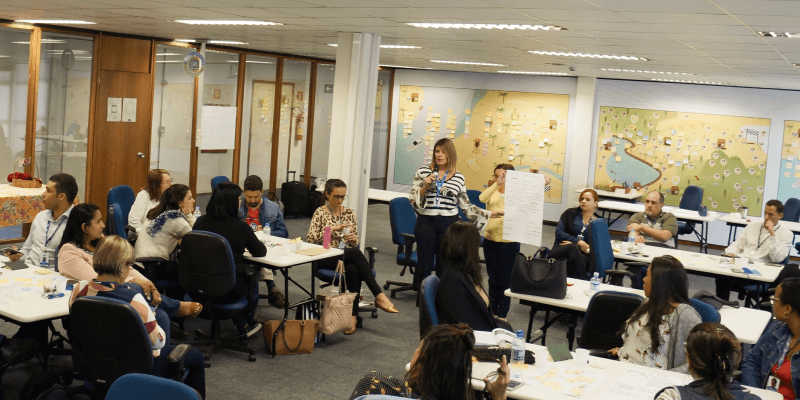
[[353, 120], [580, 152]]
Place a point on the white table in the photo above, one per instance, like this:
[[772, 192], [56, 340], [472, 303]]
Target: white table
[[277, 259], [623, 209], [735, 221], [630, 197], [385, 196], [746, 323], [614, 369], [19, 306]]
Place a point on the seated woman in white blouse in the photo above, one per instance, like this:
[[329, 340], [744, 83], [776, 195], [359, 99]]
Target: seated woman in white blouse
[[158, 180]]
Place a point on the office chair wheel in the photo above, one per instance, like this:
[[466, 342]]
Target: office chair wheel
[[386, 287], [374, 314], [393, 295], [252, 358], [207, 357]]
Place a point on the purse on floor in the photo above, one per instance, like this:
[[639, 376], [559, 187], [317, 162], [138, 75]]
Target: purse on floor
[[296, 337], [545, 277], [337, 308]]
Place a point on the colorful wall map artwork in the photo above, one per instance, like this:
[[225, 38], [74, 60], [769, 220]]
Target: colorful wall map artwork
[[789, 181], [668, 151], [488, 127]]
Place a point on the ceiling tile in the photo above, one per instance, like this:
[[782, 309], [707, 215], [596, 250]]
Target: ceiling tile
[[681, 19], [671, 6]]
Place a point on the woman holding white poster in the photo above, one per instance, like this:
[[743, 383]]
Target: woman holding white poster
[[438, 190]]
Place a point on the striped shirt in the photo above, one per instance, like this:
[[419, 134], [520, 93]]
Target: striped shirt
[[452, 196]]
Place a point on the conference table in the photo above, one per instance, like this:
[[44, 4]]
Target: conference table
[[384, 196], [627, 209], [600, 379], [278, 257], [630, 197], [19, 205], [735, 221], [747, 324], [21, 298]]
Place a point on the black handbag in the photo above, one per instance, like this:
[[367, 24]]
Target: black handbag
[[545, 277]]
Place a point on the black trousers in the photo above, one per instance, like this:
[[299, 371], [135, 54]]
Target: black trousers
[[356, 270], [577, 260], [429, 233]]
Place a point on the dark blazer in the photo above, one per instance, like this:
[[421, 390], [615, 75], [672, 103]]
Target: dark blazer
[[457, 301]]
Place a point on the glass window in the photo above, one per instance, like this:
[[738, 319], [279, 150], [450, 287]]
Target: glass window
[[219, 89], [294, 121], [62, 113], [322, 120], [14, 49], [173, 108], [380, 136], [259, 107]]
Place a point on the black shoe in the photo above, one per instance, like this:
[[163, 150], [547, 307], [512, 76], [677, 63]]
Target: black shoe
[[250, 329], [276, 298]]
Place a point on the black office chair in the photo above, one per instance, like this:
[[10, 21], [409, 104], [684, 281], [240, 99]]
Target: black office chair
[[327, 277], [402, 219], [605, 318], [207, 271], [109, 340]]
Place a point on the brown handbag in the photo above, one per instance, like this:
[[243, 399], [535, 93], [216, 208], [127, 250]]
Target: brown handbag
[[337, 309], [296, 337]]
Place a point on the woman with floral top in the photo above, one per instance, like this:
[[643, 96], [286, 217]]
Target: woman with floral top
[[344, 235]]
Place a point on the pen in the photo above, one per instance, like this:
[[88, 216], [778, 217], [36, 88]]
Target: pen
[[54, 296]]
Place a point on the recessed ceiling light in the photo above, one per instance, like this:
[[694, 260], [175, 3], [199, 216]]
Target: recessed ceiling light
[[486, 26], [639, 71], [223, 22], [532, 73], [211, 41], [168, 61], [468, 63], [780, 34], [398, 66], [44, 41], [385, 46], [570, 54], [684, 81], [168, 54], [55, 21]]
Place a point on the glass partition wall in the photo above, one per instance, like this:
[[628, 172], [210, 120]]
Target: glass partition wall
[[293, 121], [257, 118], [322, 120]]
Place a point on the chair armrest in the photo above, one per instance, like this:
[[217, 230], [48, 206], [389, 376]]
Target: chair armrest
[[619, 272], [371, 256], [154, 260], [410, 239], [635, 264], [176, 359], [149, 265], [251, 269]]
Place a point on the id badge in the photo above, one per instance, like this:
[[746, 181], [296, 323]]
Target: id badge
[[45, 259], [773, 383], [341, 244]]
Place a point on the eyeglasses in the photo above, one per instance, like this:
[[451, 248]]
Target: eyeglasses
[[773, 299], [340, 198]]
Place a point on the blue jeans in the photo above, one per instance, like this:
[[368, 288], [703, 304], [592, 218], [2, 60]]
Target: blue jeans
[[499, 262], [194, 364], [429, 233]]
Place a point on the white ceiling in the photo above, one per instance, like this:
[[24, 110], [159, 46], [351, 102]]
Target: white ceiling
[[716, 40]]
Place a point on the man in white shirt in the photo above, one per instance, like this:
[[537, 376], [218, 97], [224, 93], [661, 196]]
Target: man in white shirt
[[765, 242], [48, 226]]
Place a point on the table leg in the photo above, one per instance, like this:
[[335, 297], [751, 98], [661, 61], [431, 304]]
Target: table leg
[[285, 272], [703, 235], [530, 324]]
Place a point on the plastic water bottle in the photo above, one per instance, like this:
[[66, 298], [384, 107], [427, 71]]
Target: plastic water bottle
[[594, 283], [196, 212], [326, 238], [632, 241], [267, 232], [517, 355]]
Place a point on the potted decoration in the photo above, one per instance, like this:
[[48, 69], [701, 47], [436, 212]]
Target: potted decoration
[[23, 180]]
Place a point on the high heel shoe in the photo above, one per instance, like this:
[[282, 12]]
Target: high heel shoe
[[389, 309], [353, 329]]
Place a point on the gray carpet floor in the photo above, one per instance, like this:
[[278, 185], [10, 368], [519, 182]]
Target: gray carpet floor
[[331, 372]]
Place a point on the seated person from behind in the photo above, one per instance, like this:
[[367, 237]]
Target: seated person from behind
[[48, 226], [257, 209], [158, 180], [441, 368], [656, 332], [460, 297], [166, 224], [112, 264], [654, 226], [712, 353], [573, 236]]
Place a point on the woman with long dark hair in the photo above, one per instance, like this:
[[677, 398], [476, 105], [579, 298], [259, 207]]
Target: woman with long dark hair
[[774, 361], [656, 332], [441, 369], [460, 297], [713, 353], [158, 180], [166, 224]]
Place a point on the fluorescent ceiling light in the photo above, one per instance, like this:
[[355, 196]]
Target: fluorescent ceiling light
[[796, 65], [486, 26], [211, 41], [83, 58], [223, 22], [62, 51], [780, 34], [55, 21], [251, 62], [468, 63], [44, 41], [639, 71], [570, 54], [385, 46], [4, 56], [532, 73], [398, 66], [168, 54], [683, 81], [168, 61]]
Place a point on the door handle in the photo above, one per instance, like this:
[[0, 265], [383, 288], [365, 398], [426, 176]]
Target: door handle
[[140, 154]]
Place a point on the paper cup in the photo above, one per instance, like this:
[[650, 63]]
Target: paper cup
[[61, 285], [640, 247], [582, 357], [541, 358]]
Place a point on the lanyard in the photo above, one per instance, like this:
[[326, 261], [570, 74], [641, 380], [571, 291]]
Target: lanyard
[[439, 184], [48, 239], [759, 237]]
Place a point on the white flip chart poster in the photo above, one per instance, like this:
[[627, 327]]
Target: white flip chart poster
[[642, 383], [524, 207]]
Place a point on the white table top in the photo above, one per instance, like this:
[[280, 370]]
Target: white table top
[[746, 323], [277, 259], [604, 193], [6, 190], [736, 219], [700, 262], [639, 207], [385, 195], [614, 369], [22, 305]]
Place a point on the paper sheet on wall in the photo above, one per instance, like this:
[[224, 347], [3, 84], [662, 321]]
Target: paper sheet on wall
[[129, 109], [217, 128], [114, 110], [524, 207], [642, 384]]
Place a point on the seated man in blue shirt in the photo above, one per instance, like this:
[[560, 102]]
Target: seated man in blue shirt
[[256, 209]]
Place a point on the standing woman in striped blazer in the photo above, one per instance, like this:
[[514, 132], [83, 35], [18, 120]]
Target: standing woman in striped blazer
[[438, 190]]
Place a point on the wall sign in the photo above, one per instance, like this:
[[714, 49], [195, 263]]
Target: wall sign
[[194, 64]]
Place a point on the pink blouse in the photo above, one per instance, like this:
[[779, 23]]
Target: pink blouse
[[76, 263]]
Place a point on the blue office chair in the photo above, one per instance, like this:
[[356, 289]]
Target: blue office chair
[[474, 198], [143, 387], [707, 312], [98, 325], [601, 255], [402, 219], [327, 276], [124, 196], [207, 271], [692, 199], [604, 320], [115, 222], [217, 180], [428, 317], [791, 210]]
